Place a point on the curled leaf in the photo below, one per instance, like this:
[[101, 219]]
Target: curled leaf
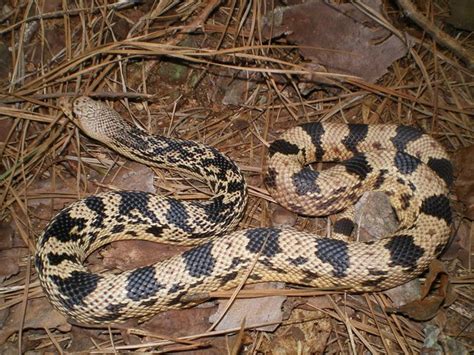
[[428, 305]]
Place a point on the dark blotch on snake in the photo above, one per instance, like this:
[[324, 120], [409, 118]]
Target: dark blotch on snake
[[309, 277], [62, 226], [270, 178], [178, 216], [142, 283], [316, 131], [357, 133], [237, 261], [263, 241], [404, 252], [155, 230], [376, 272], [373, 283], [437, 206], [199, 260], [148, 303], [283, 147], [300, 260], [135, 201], [334, 252], [56, 259], [406, 163], [76, 287], [39, 264], [221, 162], [177, 300], [405, 200], [443, 168], [135, 138], [228, 277], [236, 186], [304, 181], [405, 135], [344, 226], [96, 204], [255, 277], [176, 287], [216, 211], [358, 165], [271, 266], [380, 179], [118, 228]]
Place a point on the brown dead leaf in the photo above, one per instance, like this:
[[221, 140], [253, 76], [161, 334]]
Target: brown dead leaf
[[254, 310], [462, 14], [181, 322], [5, 73], [339, 37], [81, 339], [308, 331], [6, 235], [428, 305], [460, 247], [464, 184], [404, 294], [132, 176], [39, 314], [5, 126], [10, 261], [128, 254], [42, 187]]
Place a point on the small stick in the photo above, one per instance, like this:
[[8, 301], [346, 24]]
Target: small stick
[[72, 12], [438, 35]]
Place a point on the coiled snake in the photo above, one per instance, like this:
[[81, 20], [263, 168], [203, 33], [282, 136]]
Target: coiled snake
[[409, 166]]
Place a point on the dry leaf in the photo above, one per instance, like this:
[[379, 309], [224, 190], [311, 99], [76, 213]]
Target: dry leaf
[[339, 37], [462, 14], [404, 294], [128, 254], [254, 310], [429, 304], [464, 184], [460, 246], [132, 176], [10, 261], [6, 235], [39, 314], [307, 331], [178, 323]]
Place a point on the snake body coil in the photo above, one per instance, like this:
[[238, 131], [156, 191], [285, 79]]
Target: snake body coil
[[409, 166]]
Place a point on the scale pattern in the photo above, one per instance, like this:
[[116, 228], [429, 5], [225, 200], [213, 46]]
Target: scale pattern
[[409, 166]]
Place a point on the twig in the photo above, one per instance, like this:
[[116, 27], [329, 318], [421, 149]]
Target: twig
[[438, 35], [72, 12]]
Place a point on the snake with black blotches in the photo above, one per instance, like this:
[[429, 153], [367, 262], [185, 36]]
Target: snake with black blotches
[[409, 166]]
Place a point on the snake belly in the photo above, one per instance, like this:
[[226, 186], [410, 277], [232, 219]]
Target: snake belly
[[409, 166]]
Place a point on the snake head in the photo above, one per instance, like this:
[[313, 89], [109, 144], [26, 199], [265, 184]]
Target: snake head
[[96, 119]]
